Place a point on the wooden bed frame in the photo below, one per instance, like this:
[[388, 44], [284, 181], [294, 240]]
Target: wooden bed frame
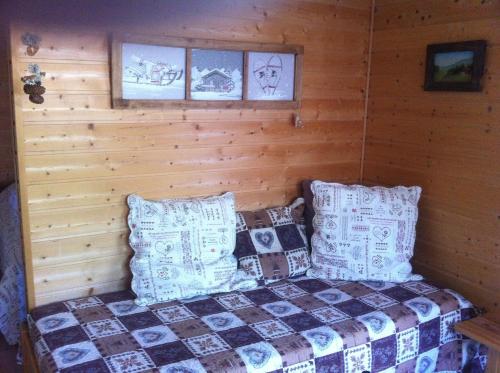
[[30, 364]]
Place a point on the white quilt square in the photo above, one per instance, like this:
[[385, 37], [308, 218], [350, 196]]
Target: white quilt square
[[174, 314], [206, 344], [76, 353], [260, 357], [222, 321], [83, 303], [377, 300], [103, 328], [272, 329], [56, 321], [379, 325], [234, 301], [153, 336], [126, 307], [287, 291], [332, 296], [407, 342], [281, 308], [357, 359], [324, 340], [424, 308], [447, 323], [329, 315], [188, 366], [129, 362]]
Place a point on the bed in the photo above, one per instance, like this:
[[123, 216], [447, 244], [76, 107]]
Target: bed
[[294, 325], [12, 288]]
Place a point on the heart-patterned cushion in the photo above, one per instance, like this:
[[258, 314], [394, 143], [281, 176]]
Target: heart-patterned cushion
[[271, 243], [362, 233]]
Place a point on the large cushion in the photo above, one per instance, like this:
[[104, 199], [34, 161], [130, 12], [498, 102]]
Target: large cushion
[[271, 243], [363, 233], [182, 247]]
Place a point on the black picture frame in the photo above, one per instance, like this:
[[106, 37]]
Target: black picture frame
[[475, 70]]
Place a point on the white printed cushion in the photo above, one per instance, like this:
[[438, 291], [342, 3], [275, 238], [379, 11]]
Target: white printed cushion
[[183, 247], [363, 233]]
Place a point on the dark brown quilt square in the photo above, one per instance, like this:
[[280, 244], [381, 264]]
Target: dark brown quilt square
[[65, 336], [293, 349], [403, 317], [189, 328], [84, 315], [140, 320], [308, 302], [116, 344], [353, 332], [446, 301], [252, 315], [274, 265], [227, 361], [355, 289], [257, 219]]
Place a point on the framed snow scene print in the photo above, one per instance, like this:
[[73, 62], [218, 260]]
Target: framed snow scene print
[[152, 72], [187, 73], [271, 76], [216, 75]]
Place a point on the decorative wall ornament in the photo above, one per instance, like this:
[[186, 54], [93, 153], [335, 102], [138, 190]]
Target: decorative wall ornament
[[33, 84], [32, 43]]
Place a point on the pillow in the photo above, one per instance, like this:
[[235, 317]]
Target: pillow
[[363, 233], [183, 247], [271, 243], [309, 209]]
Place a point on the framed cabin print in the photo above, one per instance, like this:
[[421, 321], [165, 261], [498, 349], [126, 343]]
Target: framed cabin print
[[183, 73], [216, 75], [152, 72], [455, 66], [271, 76]]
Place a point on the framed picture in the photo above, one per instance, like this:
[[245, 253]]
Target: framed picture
[[216, 75], [182, 73], [455, 66], [152, 72], [271, 76]]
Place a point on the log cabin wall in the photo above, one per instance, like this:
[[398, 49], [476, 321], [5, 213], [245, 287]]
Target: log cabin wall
[[81, 158], [447, 142], [6, 130]]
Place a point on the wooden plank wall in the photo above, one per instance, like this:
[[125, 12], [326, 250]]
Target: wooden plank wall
[[82, 158], [6, 132], [449, 143]]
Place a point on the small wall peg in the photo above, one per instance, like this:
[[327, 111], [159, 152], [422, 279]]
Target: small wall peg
[[297, 121]]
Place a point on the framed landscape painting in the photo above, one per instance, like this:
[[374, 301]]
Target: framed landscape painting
[[455, 66]]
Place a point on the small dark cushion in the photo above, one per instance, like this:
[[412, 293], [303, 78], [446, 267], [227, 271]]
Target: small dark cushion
[[308, 210], [271, 244]]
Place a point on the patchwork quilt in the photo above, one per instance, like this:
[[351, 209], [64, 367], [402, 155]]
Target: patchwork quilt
[[295, 325]]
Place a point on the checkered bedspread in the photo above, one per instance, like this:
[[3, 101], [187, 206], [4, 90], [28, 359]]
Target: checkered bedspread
[[299, 325]]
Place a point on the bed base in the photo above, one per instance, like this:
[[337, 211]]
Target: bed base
[[30, 364]]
